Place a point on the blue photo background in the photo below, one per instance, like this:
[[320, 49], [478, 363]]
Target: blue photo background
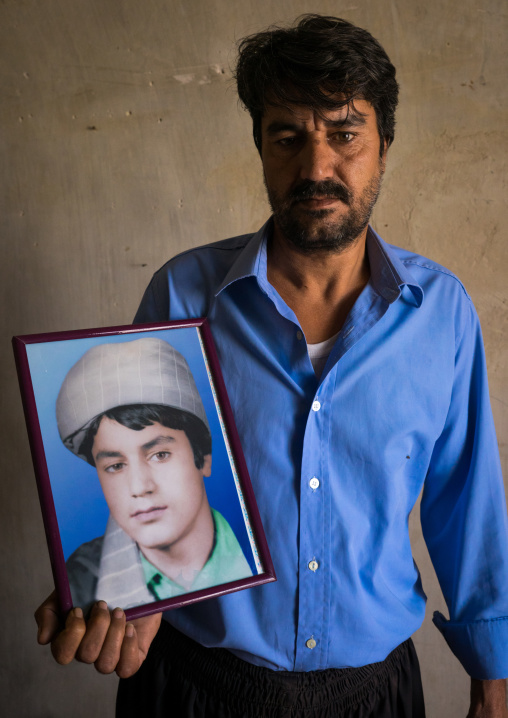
[[80, 506]]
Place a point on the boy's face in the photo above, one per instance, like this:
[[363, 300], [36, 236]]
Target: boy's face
[[152, 486]]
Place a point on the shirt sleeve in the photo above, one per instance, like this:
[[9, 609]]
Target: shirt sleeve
[[464, 519]]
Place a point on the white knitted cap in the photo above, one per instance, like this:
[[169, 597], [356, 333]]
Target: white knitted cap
[[142, 371]]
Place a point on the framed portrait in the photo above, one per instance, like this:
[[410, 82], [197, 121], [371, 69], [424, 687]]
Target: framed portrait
[[145, 494]]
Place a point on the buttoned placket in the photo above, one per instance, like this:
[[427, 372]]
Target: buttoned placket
[[314, 565]]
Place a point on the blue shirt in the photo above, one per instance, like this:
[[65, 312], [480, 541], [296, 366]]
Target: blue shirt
[[402, 404]]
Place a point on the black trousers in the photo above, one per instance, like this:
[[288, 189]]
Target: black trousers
[[181, 679]]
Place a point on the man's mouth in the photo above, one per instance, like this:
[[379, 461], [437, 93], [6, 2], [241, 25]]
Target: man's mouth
[[320, 194], [319, 202], [149, 514]]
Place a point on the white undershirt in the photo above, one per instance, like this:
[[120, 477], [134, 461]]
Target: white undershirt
[[318, 353]]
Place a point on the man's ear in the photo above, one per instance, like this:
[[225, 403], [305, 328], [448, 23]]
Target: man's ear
[[207, 465], [382, 160]]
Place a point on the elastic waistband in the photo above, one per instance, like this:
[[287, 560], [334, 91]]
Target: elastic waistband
[[217, 670]]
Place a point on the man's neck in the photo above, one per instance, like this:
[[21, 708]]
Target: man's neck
[[321, 287], [184, 559]]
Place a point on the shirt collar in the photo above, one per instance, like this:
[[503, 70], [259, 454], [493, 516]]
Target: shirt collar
[[252, 259], [389, 275], [161, 585]]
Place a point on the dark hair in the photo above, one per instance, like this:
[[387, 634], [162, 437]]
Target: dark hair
[[138, 416], [311, 64]]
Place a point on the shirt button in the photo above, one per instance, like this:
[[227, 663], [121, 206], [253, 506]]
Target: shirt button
[[299, 335], [313, 565], [311, 643], [316, 406], [314, 483]]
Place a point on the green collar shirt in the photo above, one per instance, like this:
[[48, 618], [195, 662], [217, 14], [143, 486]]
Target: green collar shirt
[[226, 563]]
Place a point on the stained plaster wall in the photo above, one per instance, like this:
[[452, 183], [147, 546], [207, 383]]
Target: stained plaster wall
[[123, 143]]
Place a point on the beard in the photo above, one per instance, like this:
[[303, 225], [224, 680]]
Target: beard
[[308, 229]]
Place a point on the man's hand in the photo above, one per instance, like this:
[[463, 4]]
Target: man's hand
[[488, 699], [105, 640]]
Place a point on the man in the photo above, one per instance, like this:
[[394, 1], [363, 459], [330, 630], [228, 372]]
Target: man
[[133, 411], [338, 452]]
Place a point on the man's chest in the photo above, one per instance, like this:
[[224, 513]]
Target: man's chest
[[381, 402]]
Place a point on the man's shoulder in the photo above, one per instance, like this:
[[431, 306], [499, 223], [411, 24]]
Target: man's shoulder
[[186, 284], [221, 254], [228, 556], [83, 570], [87, 556], [427, 272]]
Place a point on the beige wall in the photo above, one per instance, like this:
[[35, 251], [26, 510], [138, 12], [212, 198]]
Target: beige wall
[[123, 143]]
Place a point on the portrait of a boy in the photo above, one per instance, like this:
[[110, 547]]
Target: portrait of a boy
[[132, 410]]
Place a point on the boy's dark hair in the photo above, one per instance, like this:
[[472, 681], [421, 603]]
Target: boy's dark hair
[[138, 416], [311, 64]]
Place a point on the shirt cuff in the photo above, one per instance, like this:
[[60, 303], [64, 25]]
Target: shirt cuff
[[481, 646]]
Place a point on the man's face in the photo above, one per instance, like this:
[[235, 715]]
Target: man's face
[[322, 173], [150, 481]]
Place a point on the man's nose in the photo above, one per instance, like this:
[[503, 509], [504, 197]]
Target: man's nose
[[141, 480], [317, 160]]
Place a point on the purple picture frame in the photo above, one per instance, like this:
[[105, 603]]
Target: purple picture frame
[[40, 356]]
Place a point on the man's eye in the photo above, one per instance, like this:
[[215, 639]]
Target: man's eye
[[160, 456], [114, 468], [286, 141], [345, 137]]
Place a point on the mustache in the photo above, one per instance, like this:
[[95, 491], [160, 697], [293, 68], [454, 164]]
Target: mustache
[[329, 189]]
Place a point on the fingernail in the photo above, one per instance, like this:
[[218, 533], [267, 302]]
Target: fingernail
[[78, 612], [102, 605], [129, 630], [118, 613]]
